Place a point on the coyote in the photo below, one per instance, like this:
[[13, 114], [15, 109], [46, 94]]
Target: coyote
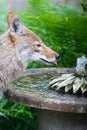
[[18, 45]]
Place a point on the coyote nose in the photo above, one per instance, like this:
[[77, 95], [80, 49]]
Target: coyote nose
[[57, 56]]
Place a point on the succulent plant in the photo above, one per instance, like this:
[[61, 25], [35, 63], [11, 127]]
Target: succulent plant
[[75, 81]]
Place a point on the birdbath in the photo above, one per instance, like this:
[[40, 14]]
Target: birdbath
[[55, 111]]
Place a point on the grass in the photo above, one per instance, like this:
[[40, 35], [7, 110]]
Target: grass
[[16, 116]]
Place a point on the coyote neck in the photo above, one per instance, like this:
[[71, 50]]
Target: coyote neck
[[10, 64]]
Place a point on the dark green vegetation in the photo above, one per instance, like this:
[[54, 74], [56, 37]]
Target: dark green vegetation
[[62, 28], [16, 117]]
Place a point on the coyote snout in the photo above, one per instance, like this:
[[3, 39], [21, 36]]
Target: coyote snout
[[19, 45]]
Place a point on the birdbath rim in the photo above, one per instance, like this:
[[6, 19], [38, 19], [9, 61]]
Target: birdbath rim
[[54, 101]]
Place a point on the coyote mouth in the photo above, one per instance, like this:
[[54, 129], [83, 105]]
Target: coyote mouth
[[48, 62]]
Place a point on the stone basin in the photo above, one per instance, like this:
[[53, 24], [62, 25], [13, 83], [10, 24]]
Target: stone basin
[[55, 111]]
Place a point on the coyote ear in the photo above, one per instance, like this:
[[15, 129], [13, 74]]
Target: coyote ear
[[14, 23], [16, 26], [10, 16]]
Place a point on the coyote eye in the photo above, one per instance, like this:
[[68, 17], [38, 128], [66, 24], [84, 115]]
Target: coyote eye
[[38, 45]]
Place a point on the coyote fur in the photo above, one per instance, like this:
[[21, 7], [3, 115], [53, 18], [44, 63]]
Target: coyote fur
[[18, 45]]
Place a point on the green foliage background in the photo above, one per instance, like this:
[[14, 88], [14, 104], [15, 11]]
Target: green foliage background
[[61, 27], [14, 116], [3, 11]]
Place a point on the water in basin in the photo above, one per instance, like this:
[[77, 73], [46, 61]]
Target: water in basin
[[35, 83]]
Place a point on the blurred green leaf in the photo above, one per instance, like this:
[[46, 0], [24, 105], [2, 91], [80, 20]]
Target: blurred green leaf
[[84, 6]]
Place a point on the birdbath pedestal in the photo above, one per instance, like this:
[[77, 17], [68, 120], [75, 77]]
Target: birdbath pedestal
[[55, 111]]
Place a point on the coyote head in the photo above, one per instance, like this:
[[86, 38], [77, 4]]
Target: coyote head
[[28, 45]]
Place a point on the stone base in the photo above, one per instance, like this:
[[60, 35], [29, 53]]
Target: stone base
[[53, 120]]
